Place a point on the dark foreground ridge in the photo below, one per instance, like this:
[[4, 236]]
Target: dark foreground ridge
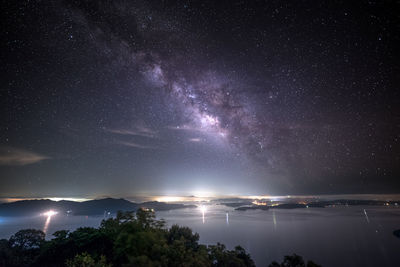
[[90, 207], [129, 239]]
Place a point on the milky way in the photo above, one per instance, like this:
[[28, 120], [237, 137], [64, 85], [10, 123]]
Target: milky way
[[176, 98]]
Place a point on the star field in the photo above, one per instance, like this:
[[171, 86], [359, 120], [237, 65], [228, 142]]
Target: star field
[[125, 98]]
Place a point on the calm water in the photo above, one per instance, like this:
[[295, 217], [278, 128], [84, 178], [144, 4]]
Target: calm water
[[339, 236]]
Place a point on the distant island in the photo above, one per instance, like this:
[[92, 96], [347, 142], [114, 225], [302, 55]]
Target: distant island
[[254, 207], [299, 204], [236, 204], [90, 207]]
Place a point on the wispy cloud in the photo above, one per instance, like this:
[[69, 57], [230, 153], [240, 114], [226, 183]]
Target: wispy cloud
[[195, 140], [137, 131], [19, 157], [136, 145]]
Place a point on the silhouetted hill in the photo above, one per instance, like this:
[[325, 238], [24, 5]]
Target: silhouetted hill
[[159, 206], [232, 200], [288, 206], [90, 207], [97, 207], [255, 207], [26, 207], [236, 204]]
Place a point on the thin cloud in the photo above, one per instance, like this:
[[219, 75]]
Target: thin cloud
[[19, 157], [137, 131], [195, 140], [136, 145]]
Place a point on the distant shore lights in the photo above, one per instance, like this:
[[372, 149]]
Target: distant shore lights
[[49, 213], [259, 203]]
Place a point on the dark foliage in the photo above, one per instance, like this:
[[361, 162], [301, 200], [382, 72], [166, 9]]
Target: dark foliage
[[293, 261]]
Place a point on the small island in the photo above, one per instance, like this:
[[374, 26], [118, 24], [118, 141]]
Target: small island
[[254, 207], [265, 204]]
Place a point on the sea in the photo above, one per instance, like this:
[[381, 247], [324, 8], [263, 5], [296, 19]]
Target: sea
[[330, 236]]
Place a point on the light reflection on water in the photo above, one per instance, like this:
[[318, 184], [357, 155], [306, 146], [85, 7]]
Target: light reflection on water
[[46, 224], [274, 218], [340, 236]]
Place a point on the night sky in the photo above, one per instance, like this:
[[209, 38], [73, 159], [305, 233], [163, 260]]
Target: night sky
[[126, 98]]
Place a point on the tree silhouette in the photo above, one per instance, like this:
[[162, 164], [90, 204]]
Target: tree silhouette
[[293, 261]]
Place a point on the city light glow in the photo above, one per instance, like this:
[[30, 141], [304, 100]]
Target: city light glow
[[170, 199], [49, 213]]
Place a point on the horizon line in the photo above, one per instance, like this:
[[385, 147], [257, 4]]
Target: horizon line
[[194, 198]]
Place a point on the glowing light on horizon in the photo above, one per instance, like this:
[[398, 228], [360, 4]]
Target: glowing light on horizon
[[49, 213], [203, 194], [170, 199], [257, 197], [69, 199]]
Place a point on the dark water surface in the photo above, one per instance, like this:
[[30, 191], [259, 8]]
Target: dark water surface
[[334, 236]]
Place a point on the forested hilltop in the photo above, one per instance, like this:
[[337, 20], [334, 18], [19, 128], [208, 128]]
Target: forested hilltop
[[129, 239]]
